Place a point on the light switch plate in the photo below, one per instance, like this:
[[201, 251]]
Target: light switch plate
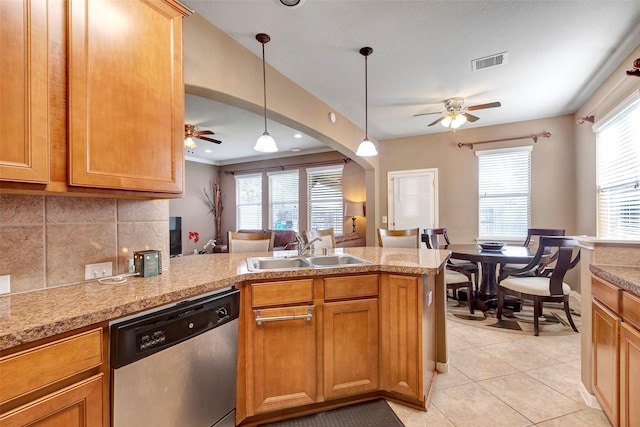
[[5, 284], [97, 271]]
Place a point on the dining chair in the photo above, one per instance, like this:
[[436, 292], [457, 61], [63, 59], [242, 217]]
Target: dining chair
[[549, 287], [459, 272], [327, 238], [409, 238], [505, 269], [250, 242]]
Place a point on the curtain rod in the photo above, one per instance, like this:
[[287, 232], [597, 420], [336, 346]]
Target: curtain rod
[[291, 166], [534, 137]]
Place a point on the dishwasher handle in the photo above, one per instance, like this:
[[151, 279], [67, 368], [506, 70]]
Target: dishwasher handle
[[307, 317]]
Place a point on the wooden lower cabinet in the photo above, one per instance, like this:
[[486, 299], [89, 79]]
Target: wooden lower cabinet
[[79, 405], [401, 312], [629, 375], [283, 361], [605, 330], [350, 347], [59, 383]]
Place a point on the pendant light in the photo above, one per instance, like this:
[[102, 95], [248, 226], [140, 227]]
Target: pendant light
[[366, 147], [266, 143]]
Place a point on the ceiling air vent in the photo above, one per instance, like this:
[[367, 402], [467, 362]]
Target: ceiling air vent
[[489, 61]]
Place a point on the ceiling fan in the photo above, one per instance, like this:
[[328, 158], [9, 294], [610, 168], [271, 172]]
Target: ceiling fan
[[456, 113], [191, 131]]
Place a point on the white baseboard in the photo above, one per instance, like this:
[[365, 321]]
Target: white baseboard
[[442, 368], [588, 398]]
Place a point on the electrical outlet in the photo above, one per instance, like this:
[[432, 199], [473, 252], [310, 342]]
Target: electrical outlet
[[5, 284], [384, 219], [96, 271]]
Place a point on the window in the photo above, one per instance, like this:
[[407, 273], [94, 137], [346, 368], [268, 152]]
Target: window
[[504, 187], [249, 201], [284, 200], [325, 198], [618, 171]]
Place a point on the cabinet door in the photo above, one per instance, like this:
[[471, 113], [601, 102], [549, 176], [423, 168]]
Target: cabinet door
[[400, 334], [629, 375], [605, 330], [126, 95], [79, 405], [24, 116], [282, 359], [350, 347]]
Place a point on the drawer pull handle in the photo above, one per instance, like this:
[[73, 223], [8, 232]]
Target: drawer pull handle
[[307, 317]]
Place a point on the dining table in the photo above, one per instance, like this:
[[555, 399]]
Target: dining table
[[489, 260]]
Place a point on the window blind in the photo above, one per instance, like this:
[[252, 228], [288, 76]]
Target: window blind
[[326, 203], [504, 187], [284, 200], [618, 171], [249, 201]]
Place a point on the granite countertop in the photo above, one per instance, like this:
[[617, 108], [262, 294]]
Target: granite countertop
[[31, 316], [628, 278]]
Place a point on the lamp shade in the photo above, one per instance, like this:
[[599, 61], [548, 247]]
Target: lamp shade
[[189, 142], [266, 143], [353, 209], [366, 149]]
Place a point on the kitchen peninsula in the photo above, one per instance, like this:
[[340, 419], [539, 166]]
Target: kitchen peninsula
[[400, 294]]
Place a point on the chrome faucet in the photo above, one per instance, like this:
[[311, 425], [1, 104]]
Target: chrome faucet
[[302, 246]]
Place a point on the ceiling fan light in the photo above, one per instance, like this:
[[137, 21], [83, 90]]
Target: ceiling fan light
[[366, 149], [189, 142], [458, 121], [266, 144], [446, 122]]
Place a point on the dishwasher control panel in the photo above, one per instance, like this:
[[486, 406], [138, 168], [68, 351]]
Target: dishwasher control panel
[[142, 336]]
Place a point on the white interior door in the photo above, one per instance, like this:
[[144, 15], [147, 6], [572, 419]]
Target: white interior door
[[413, 199]]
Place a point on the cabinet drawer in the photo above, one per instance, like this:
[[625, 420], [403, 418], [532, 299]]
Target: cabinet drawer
[[282, 293], [350, 287], [38, 367], [606, 293], [631, 309]]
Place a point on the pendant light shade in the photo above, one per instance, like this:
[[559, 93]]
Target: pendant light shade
[[366, 147], [266, 143]]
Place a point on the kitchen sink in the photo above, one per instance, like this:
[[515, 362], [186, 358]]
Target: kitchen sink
[[276, 263], [335, 260], [312, 261]]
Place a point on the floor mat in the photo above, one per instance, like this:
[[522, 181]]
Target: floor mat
[[376, 413]]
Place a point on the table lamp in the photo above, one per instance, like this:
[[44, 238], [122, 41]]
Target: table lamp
[[353, 209]]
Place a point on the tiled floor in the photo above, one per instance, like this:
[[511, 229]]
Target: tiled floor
[[505, 379]]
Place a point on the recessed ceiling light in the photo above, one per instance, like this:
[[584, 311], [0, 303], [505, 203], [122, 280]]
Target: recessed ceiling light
[[291, 3], [297, 135], [207, 151], [296, 149]]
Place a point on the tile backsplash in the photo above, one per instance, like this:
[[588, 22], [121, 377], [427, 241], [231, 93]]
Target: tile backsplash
[[46, 241]]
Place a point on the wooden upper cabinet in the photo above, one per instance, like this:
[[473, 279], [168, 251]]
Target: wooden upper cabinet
[[126, 95], [24, 115]]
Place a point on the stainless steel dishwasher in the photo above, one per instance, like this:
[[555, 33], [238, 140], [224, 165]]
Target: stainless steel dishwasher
[[177, 366]]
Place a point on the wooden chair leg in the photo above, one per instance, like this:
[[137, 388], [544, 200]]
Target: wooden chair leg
[[470, 297], [569, 318], [536, 315], [500, 303]]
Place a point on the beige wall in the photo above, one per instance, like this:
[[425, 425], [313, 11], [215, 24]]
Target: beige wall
[[552, 172], [45, 241], [353, 186], [195, 212]]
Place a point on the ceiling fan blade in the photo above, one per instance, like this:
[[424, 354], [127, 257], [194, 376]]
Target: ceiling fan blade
[[209, 139], [437, 121], [470, 117], [424, 114], [483, 106], [203, 132]]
